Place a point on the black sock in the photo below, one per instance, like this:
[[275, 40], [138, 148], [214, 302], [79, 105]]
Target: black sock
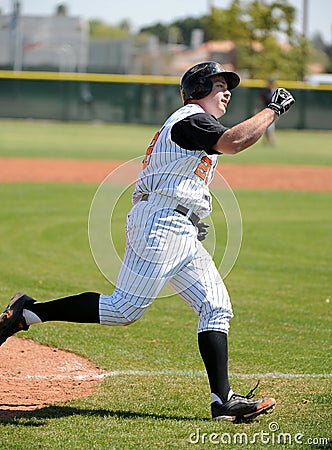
[[213, 347], [82, 308]]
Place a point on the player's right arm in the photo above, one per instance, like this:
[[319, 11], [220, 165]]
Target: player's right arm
[[246, 133]]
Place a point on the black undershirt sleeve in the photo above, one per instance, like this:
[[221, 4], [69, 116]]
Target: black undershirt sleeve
[[198, 132]]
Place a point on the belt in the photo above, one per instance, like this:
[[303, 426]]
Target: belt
[[194, 219]]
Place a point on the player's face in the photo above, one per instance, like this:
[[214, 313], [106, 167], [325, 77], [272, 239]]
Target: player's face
[[216, 102]]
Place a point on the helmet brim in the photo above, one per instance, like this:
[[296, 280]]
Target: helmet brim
[[232, 79]]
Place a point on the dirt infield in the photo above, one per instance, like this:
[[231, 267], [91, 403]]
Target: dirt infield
[[32, 375], [262, 176]]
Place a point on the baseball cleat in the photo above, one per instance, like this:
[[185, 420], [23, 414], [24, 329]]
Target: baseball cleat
[[240, 408], [12, 320]]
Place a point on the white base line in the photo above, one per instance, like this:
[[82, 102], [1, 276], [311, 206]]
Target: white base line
[[177, 373], [200, 373]]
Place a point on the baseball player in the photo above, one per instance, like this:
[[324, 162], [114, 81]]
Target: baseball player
[[164, 230]]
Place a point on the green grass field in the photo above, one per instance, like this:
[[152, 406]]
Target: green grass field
[[44, 139], [279, 288]]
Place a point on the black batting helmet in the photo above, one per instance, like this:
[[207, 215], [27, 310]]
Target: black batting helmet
[[196, 83]]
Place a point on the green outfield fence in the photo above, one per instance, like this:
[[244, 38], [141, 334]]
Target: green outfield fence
[[142, 99]]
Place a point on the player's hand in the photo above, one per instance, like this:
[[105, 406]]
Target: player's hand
[[281, 101], [202, 230]]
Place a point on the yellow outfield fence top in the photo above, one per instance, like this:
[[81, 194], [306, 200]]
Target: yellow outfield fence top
[[141, 79], [92, 77]]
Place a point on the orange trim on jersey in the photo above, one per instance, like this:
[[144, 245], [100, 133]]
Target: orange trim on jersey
[[203, 168], [149, 150]]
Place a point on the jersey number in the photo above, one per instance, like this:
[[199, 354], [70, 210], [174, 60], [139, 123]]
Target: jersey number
[[149, 150], [203, 168]]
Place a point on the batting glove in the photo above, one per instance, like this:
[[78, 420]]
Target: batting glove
[[202, 230], [281, 101]]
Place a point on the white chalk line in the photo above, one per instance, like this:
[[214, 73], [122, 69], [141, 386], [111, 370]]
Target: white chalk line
[[172, 373]]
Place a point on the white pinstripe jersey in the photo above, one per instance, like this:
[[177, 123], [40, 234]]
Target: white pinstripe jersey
[[174, 173]]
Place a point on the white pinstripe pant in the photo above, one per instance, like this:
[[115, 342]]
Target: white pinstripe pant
[[162, 247]]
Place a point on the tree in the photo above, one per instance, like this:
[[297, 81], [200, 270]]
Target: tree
[[321, 52], [99, 29], [160, 30], [182, 28], [264, 36], [187, 26], [228, 24]]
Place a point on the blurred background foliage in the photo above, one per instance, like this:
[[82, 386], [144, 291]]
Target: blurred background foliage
[[266, 39]]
